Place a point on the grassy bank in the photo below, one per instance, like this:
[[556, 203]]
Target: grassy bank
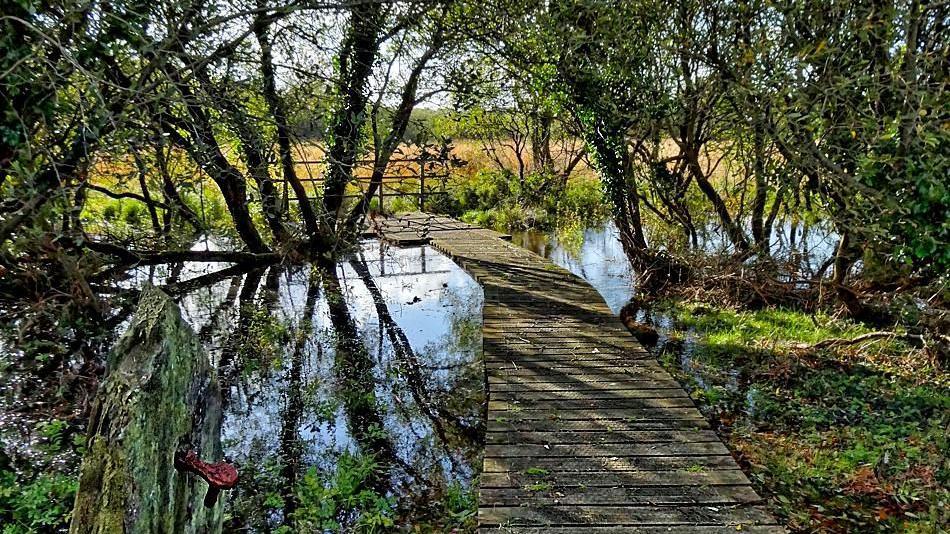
[[846, 439]]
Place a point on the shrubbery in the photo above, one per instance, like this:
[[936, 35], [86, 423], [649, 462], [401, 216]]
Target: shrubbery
[[498, 199]]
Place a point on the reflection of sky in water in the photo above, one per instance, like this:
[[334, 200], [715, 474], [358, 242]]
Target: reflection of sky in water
[[600, 260], [435, 304]]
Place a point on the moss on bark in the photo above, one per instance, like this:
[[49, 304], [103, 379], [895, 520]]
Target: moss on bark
[[159, 396]]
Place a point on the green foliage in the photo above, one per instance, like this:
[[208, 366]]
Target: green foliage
[[460, 506], [40, 504], [846, 440], [484, 190], [133, 214], [496, 199], [260, 494], [343, 500]]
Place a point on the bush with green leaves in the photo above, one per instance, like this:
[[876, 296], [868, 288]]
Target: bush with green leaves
[[40, 504]]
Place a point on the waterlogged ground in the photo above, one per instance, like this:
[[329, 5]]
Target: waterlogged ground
[[854, 439], [353, 396]]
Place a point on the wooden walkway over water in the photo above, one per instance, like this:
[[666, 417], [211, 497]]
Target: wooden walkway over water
[[586, 432]]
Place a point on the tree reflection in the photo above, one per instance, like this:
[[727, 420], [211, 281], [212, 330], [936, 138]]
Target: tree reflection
[[354, 370], [409, 366]]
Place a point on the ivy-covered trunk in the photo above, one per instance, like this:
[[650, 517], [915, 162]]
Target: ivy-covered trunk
[[160, 398], [357, 54]]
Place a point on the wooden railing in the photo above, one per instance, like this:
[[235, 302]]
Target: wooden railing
[[426, 177]]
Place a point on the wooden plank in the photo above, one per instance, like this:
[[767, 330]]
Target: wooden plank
[[564, 515], [640, 529], [606, 436], [608, 464], [628, 372], [565, 479], [619, 450], [617, 365], [628, 392], [541, 494], [618, 414], [579, 383], [596, 404], [505, 424]]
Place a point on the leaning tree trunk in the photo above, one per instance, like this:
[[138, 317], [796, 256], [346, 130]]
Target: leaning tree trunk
[[158, 402]]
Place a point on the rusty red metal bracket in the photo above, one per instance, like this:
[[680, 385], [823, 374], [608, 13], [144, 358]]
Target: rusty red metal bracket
[[219, 476]]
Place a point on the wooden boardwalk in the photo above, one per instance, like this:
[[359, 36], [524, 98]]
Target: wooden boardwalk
[[586, 431]]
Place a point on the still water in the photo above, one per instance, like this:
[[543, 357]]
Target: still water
[[595, 253], [353, 396], [353, 399], [596, 256]]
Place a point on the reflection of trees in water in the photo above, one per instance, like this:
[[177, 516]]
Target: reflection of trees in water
[[229, 364], [354, 370], [291, 447], [409, 366], [274, 463], [221, 313]]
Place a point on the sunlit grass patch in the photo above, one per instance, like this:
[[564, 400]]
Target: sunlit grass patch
[[837, 439]]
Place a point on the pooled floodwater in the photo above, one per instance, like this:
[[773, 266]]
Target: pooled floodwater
[[598, 258], [353, 397], [373, 403], [361, 391], [596, 255]]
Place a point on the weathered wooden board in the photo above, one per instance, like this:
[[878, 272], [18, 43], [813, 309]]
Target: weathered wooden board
[[586, 432]]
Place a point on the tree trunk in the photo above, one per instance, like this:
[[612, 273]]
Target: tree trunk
[[400, 122], [204, 148], [276, 107], [541, 143], [761, 192], [253, 147], [159, 398], [143, 185], [733, 230], [172, 197], [356, 65]]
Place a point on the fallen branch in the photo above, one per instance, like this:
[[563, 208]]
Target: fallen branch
[[132, 196], [150, 257], [870, 336]]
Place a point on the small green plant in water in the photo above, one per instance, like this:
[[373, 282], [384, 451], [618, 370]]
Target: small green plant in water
[[342, 501]]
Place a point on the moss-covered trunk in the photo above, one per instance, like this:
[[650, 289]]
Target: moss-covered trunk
[[159, 396]]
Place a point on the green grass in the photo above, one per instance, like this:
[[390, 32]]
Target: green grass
[[851, 440]]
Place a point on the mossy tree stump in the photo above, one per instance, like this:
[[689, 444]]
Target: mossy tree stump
[[160, 397]]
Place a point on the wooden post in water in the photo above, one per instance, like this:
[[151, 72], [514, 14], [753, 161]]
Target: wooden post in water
[[159, 403], [422, 184]]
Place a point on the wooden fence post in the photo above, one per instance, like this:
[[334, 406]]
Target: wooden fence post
[[422, 184]]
